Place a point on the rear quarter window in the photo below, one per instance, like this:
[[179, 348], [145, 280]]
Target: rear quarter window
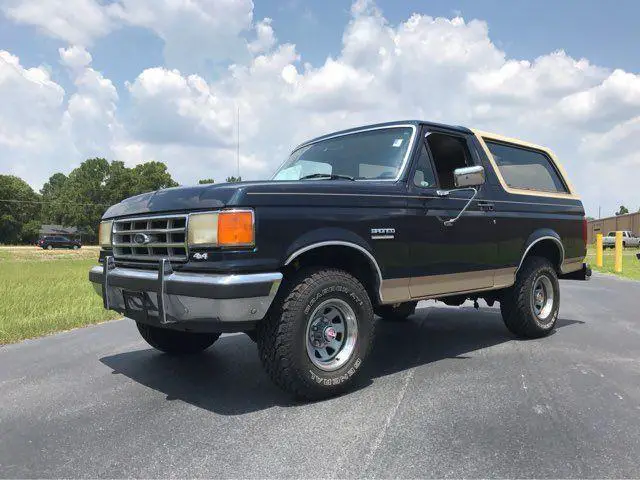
[[525, 168]]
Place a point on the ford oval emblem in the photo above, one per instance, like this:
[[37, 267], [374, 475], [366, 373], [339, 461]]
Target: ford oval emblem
[[141, 239]]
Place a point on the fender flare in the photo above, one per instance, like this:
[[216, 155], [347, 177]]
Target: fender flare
[[544, 234], [326, 237]]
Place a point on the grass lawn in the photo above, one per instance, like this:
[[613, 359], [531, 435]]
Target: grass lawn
[[45, 291], [630, 264]]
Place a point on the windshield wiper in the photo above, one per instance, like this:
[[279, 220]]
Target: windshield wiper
[[328, 176]]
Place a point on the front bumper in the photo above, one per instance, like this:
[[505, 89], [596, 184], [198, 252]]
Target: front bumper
[[168, 298]]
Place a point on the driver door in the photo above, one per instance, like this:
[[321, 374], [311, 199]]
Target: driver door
[[459, 258]]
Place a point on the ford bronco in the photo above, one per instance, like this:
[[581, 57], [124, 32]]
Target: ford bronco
[[358, 223]]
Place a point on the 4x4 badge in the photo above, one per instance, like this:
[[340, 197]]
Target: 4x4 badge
[[200, 256]]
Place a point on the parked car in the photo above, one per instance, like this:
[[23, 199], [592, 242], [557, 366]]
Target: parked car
[[362, 221], [56, 241], [628, 240]]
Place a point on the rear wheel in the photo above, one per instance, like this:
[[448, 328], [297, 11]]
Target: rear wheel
[[317, 334], [75, 247], [398, 312], [530, 308], [175, 342], [49, 247]]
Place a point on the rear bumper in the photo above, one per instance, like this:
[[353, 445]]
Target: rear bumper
[[584, 273], [168, 298]]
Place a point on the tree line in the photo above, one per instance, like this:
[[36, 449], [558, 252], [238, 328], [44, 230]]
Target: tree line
[[76, 200]]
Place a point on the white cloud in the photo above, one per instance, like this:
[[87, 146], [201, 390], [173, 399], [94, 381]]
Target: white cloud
[[265, 38], [194, 32], [74, 21], [75, 57], [440, 69], [41, 131], [90, 118], [31, 107], [172, 109]]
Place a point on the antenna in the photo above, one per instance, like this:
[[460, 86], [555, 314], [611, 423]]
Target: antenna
[[238, 131]]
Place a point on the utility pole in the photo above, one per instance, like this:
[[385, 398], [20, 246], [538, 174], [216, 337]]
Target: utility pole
[[238, 131], [599, 215]]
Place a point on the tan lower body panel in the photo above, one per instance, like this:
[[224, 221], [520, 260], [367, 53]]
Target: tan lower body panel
[[404, 289]]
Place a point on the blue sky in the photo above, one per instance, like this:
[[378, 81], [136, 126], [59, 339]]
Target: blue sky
[[143, 79], [605, 34], [600, 31]]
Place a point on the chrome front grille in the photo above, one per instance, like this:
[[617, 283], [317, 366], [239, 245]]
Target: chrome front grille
[[151, 238]]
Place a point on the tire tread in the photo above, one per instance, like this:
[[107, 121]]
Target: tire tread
[[276, 332]]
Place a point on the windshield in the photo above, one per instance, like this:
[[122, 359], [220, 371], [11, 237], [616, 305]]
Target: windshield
[[366, 155]]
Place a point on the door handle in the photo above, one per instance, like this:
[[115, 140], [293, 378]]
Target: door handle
[[486, 206]]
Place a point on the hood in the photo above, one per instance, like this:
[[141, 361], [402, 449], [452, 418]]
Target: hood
[[267, 193], [198, 197]]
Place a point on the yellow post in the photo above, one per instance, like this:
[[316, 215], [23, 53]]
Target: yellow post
[[618, 266], [599, 250]]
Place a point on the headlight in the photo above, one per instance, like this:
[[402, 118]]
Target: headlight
[[227, 228], [104, 233], [203, 229]]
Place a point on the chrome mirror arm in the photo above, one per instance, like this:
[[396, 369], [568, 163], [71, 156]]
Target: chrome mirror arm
[[446, 193]]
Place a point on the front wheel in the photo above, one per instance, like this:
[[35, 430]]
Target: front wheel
[[317, 334], [530, 308], [175, 342], [49, 247], [75, 247]]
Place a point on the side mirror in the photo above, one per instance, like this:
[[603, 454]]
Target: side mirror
[[469, 176]]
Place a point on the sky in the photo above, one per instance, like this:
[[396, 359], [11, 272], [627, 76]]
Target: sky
[[140, 80]]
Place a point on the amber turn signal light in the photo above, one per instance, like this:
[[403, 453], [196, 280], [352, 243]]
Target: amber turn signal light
[[236, 228]]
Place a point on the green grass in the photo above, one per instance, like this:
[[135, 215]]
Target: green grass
[[630, 264], [42, 292]]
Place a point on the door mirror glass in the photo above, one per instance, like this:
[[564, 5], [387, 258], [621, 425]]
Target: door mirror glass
[[468, 176]]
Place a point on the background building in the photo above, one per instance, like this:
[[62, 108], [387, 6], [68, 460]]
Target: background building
[[629, 221]]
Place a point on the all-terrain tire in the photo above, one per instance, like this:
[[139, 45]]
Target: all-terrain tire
[[175, 342], [283, 334], [517, 302], [396, 313]]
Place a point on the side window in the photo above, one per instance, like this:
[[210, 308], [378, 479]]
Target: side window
[[424, 176], [449, 152], [527, 169]]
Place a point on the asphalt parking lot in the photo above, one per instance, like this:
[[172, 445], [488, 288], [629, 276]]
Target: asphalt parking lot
[[449, 394]]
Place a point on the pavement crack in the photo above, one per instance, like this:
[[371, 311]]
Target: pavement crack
[[389, 418]]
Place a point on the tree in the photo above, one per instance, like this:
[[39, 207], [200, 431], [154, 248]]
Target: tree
[[81, 198], [152, 176], [51, 192], [234, 179], [206, 181], [19, 204], [623, 210]]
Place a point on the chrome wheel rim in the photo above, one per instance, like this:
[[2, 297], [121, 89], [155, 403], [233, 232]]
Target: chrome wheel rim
[[331, 334], [542, 298]]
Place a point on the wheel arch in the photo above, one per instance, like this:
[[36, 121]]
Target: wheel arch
[[546, 243], [348, 252]]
